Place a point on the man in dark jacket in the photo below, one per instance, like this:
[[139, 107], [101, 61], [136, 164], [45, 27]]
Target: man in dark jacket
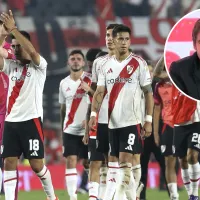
[[185, 73]]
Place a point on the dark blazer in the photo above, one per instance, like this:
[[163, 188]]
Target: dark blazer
[[185, 73]]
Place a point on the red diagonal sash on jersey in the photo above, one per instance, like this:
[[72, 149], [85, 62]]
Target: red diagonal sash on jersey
[[125, 73], [16, 90], [76, 102]]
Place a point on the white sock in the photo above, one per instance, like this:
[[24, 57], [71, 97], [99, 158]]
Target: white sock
[[45, 178], [131, 191], [93, 190], [124, 180], [194, 172], [186, 180], [137, 174], [111, 180], [102, 185], [173, 190], [10, 184], [1, 179], [71, 181]]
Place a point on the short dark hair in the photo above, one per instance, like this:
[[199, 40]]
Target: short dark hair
[[102, 53], [91, 54], [77, 51], [120, 28], [111, 26], [195, 31], [24, 33]]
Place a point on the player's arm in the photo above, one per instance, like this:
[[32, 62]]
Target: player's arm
[[10, 25], [156, 121], [145, 83], [86, 136], [62, 114], [62, 102], [149, 102], [96, 104]]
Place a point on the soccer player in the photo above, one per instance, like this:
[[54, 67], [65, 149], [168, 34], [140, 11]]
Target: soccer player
[[186, 143], [126, 77], [73, 100], [97, 175], [23, 124], [162, 100], [107, 183]]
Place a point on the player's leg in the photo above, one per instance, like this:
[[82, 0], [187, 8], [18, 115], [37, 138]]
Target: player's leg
[[126, 182], [71, 152], [32, 143], [170, 161], [136, 169], [10, 151], [192, 157], [96, 159], [113, 166], [170, 173], [180, 146], [185, 174]]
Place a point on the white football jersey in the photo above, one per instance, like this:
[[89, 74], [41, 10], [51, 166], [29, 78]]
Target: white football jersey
[[75, 99], [96, 68], [123, 81], [26, 84]]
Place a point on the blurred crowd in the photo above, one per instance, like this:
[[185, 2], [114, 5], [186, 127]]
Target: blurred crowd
[[105, 9]]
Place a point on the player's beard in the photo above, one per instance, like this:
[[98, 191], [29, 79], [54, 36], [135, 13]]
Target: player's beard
[[76, 69]]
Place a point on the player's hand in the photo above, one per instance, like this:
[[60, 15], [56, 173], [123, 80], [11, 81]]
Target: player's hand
[[157, 139], [8, 20], [85, 139], [92, 123], [146, 130], [3, 31], [85, 86]]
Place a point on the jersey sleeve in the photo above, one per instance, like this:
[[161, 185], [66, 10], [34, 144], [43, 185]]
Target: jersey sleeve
[[102, 77], [94, 71], [43, 64], [61, 95], [156, 96], [144, 74]]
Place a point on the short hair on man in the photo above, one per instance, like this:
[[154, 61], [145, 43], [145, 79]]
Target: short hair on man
[[119, 29], [77, 51], [111, 26], [102, 53], [91, 54], [195, 31], [24, 33]]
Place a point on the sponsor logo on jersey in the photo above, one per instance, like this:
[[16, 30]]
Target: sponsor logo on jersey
[[21, 78], [119, 80], [109, 71]]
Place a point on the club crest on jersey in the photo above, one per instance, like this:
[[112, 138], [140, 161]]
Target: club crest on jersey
[[129, 69]]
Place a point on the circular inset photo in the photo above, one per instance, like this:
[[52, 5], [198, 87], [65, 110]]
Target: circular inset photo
[[182, 55]]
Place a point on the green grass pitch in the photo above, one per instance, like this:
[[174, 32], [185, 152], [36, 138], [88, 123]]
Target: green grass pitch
[[39, 195]]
